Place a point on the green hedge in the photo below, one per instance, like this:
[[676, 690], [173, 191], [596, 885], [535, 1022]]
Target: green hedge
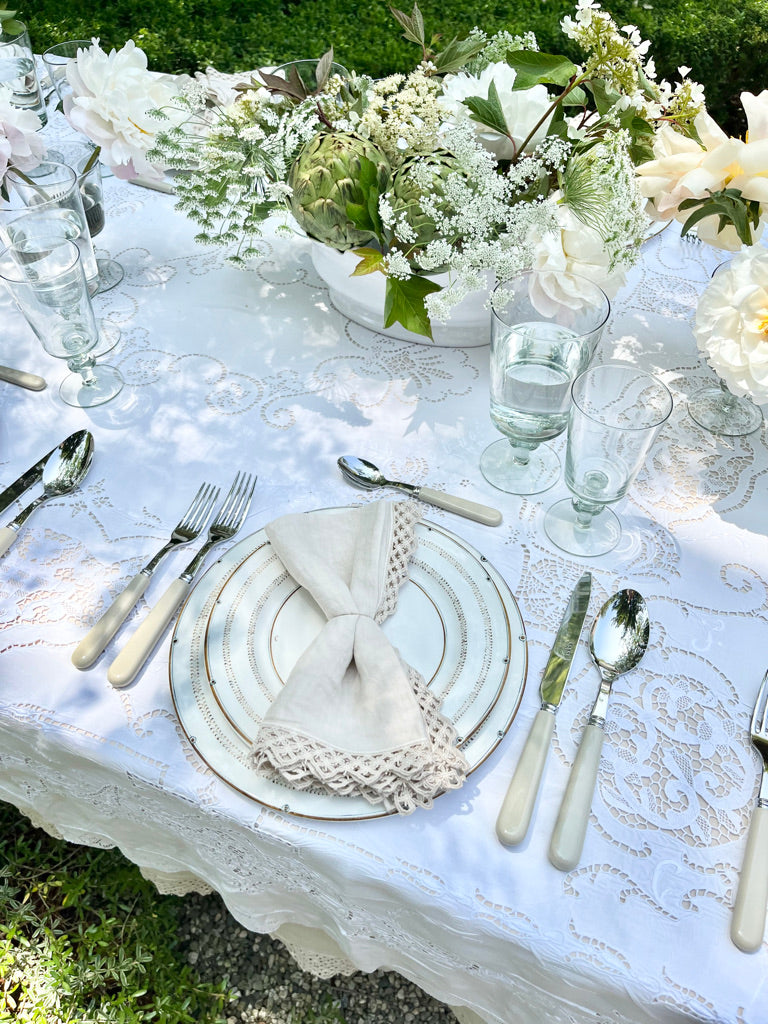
[[725, 45]]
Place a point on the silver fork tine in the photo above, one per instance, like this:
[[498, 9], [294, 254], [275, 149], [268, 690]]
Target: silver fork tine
[[749, 909], [227, 522], [187, 529]]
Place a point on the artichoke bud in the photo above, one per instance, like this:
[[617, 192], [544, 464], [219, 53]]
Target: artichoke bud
[[408, 192], [324, 177]]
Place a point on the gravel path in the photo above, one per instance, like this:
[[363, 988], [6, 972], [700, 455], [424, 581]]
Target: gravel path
[[271, 989]]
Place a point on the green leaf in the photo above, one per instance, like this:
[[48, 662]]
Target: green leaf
[[371, 260], [413, 26], [604, 97], [404, 304], [576, 98], [456, 54], [323, 70], [730, 207], [534, 68], [488, 112]]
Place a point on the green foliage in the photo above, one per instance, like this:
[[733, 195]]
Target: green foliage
[[83, 937], [186, 35]]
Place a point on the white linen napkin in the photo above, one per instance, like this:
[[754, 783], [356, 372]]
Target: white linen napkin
[[353, 718]]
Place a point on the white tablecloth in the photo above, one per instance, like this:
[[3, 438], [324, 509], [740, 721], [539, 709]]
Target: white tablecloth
[[255, 370]]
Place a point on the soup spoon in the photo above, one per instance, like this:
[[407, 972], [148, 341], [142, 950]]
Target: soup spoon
[[617, 642], [364, 474], [63, 471]]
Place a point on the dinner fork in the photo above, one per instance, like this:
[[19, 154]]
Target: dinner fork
[[228, 521], [186, 530], [748, 921]]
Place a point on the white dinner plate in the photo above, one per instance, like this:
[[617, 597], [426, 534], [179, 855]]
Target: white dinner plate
[[246, 623]]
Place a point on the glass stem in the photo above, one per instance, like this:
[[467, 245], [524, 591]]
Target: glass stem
[[84, 368], [521, 453], [585, 512]]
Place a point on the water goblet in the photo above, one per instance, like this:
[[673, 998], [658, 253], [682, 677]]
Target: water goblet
[[616, 413], [57, 59], [18, 72], [544, 331], [48, 285]]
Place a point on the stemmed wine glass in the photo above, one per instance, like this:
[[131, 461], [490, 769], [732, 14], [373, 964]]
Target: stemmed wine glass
[[617, 412], [544, 330], [48, 285]]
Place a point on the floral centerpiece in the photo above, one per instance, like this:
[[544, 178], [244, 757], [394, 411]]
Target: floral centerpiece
[[486, 158]]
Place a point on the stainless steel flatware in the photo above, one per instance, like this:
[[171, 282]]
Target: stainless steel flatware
[[22, 379], [517, 808], [187, 529], [63, 470], [364, 474], [748, 921], [228, 521], [617, 642], [27, 479]]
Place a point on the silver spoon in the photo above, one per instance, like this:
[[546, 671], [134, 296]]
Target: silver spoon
[[364, 474], [617, 642], [64, 470]]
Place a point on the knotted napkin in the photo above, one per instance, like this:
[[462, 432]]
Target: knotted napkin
[[353, 718]]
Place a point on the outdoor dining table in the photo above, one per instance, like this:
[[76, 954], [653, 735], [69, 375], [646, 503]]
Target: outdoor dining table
[[255, 370]]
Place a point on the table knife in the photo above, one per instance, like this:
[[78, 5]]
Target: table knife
[[32, 476], [516, 811], [22, 379]]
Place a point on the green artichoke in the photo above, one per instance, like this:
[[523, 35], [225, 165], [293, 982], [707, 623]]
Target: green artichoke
[[406, 194], [325, 176]]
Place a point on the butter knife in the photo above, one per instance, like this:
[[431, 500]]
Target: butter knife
[[32, 476], [517, 808], [22, 379]]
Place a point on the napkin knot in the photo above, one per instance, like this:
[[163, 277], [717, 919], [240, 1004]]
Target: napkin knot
[[353, 717]]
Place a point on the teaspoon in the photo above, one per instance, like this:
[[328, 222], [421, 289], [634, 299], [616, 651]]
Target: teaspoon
[[617, 642], [64, 470], [364, 474]]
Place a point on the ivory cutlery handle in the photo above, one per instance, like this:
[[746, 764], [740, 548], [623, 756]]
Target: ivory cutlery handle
[[7, 536], [748, 921], [91, 646], [571, 825], [31, 381], [468, 509], [517, 808], [128, 662]]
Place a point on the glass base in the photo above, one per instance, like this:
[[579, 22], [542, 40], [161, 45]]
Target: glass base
[[498, 466], [561, 525], [106, 385], [111, 273], [720, 412], [109, 336]]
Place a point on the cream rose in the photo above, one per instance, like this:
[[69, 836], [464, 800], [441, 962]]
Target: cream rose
[[732, 323], [522, 108]]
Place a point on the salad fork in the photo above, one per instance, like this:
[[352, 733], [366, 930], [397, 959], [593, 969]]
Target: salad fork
[[228, 521], [186, 530], [748, 922]]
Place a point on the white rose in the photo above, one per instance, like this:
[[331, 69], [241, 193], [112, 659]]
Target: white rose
[[111, 97], [732, 323], [20, 144], [522, 109]]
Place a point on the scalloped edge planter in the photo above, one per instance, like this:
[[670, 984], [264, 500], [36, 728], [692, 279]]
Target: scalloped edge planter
[[362, 300]]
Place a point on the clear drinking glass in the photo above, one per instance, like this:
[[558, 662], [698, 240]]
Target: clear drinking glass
[[51, 189], [48, 286], [18, 72], [617, 412], [82, 157], [544, 331], [57, 58]]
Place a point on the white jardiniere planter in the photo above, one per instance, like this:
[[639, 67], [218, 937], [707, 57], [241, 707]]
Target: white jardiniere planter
[[362, 300]]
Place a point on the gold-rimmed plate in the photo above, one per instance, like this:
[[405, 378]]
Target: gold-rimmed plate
[[246, 623]]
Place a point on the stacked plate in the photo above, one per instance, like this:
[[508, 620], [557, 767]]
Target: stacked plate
[[246, 623]]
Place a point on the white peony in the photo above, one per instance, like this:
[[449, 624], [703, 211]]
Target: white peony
[[732, 323], [20, 144], [575, 249], [112, 95], [522, 109]]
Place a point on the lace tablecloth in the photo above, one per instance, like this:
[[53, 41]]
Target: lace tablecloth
[[255, 370]]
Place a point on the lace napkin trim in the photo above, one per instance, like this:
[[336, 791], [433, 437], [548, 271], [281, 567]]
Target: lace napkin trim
[[401, 779]]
